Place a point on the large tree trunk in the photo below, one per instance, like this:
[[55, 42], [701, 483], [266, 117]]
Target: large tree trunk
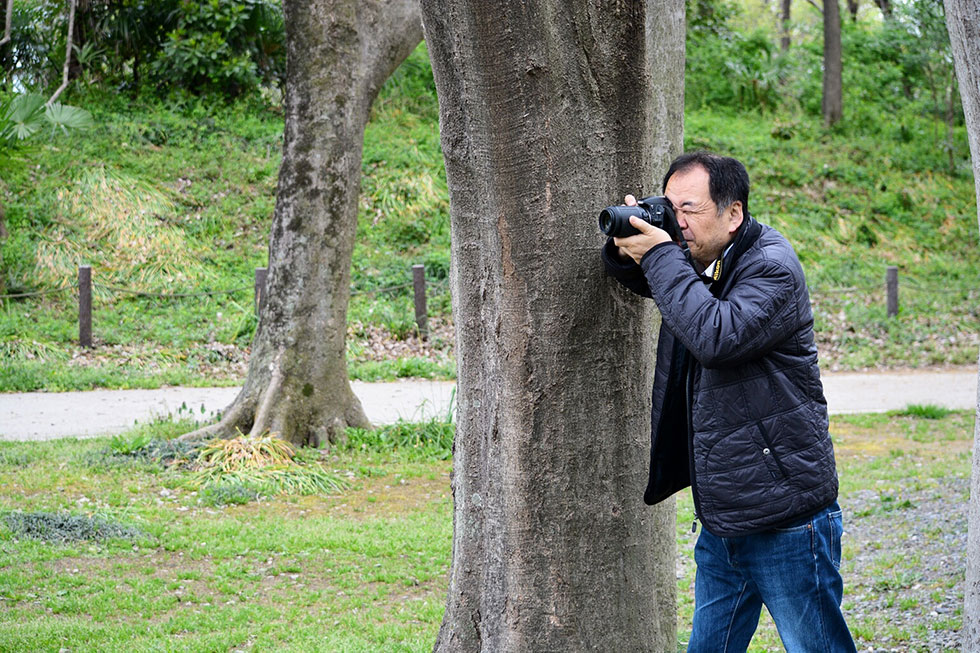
[[833, 84], [549, 111], [339, 53], [963, 22]]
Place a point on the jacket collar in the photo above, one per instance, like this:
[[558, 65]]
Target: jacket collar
[[748, 232]]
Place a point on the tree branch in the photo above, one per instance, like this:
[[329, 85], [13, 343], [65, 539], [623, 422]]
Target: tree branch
[[7, 16], [71, 29], [818, 7]]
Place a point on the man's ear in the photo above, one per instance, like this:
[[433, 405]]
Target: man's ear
[[734, 216]]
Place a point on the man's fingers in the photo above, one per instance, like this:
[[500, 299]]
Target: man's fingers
[[629, 200], [641, 225]]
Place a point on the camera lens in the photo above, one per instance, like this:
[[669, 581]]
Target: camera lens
[[615, 220], [605, 221]]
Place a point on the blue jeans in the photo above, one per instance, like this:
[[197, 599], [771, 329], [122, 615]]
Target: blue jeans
[[794, 571]]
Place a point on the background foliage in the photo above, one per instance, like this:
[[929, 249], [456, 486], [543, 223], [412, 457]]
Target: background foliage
[[172, 189], [228, 47]]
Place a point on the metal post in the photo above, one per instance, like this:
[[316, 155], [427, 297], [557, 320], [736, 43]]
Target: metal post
[[891, 281], [260, 276], [421, 314], [85, 305]]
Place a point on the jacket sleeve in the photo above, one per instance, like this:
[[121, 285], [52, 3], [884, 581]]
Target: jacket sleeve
[[760, 311], [627, 273]]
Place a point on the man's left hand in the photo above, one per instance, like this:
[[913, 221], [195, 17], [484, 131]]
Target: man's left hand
[[637, 245]]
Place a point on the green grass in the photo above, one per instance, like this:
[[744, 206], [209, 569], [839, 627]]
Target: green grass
[[335, 572], [925, 411], [363, 568]]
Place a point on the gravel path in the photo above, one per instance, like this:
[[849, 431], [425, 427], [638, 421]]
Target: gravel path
[[47, 415], [907, 568]]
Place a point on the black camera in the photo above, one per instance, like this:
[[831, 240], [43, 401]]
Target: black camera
[[614, 221]]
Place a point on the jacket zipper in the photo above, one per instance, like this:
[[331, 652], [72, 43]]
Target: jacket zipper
[[689, 391]]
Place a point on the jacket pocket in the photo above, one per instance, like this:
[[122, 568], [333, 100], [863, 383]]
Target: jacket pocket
[[769, 453]]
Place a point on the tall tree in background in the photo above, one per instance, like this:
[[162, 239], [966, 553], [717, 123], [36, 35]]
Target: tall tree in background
[[963, 22], [833, 84], [550, 110], [339, 53], [785, 7]]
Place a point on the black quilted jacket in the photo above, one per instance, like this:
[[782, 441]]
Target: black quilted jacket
[[739, 358]]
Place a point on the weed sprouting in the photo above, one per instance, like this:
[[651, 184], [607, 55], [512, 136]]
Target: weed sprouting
[[924, 411], [126, 445]]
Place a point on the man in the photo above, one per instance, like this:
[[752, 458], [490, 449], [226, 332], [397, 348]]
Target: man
[[739, 412]]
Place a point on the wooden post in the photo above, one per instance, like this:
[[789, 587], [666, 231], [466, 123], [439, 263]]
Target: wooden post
[[421, 314], [260, 276], [891, 281], [85, 305]]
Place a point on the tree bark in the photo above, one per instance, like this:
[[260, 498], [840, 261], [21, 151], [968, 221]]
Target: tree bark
[[833, 85], [784, 18], [852, 9], [548, 112], [886, 8], [963, 23], [339, 53]]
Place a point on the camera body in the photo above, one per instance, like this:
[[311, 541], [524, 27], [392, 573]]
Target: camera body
[[614, 221]]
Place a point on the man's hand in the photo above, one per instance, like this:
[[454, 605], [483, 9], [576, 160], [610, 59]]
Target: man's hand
[[636, 246]]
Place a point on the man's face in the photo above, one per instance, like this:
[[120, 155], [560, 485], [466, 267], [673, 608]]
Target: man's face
[[706, 229]]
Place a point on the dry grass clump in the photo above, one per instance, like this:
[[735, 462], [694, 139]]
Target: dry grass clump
[[263, 463], [117, 224], [245, 453]]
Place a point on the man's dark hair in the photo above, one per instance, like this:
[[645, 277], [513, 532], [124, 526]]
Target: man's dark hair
[[728, 181]]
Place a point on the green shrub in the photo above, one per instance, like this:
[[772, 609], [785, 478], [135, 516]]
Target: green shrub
[[733, 71], [228, 47], [65, 527], [222, 46]]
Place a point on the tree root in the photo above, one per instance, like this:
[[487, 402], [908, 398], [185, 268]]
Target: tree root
[[224, 427], [259, 411], [260, 423]]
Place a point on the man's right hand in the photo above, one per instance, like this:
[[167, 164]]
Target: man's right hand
[[634, 247]]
